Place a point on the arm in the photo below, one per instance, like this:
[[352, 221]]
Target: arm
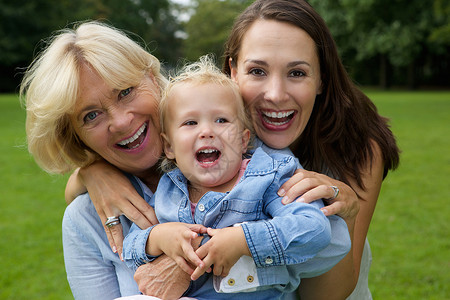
[[340, 281], [74, 187], [112, 194]]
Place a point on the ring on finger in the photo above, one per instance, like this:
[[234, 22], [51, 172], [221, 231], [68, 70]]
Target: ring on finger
[[336, 192], [112, 221]]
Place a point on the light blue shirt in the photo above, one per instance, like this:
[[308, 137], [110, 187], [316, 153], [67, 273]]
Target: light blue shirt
[[283, 239]]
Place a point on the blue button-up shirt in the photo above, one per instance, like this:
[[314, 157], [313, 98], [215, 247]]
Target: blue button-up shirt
[[283, 239]]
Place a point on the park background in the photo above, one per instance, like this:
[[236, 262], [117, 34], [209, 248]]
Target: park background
[[398, 51]]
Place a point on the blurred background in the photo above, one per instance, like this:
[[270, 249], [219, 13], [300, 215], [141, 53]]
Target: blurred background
[[397, 50], [382, 42]]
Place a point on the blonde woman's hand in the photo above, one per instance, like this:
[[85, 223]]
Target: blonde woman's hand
[[162, 278], [306, 186], [113, 195]]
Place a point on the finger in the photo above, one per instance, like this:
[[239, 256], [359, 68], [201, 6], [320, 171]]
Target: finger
[[181, 262], [110, 239], [217, 270], [316, 193], [191, 256], [212, 232], [189, 235], [202, 251], [225, 272], [333, 209], [298, 175], [145, 210], [199, 271], [117, 236], [198, 228], [137, 217], [111, 242]]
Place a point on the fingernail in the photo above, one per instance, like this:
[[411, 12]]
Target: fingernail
[[284, 200], [281, 192], [121, 257], [114, 249], [324, 210], [301, 200]]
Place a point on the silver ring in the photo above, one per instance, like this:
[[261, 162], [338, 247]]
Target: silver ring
[[336, 192], [112, 221]]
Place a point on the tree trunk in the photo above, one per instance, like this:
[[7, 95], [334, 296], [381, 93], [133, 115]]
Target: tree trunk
[[384, 72]]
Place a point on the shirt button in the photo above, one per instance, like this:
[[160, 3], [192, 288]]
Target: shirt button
[[250, 278], [269, 260], [231, 281], [201, 207]]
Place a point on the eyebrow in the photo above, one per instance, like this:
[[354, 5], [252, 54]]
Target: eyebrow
[[289, 65]]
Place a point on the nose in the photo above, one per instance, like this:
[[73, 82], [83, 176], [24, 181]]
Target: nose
[[275, 90], [120, 120], [206, 132]]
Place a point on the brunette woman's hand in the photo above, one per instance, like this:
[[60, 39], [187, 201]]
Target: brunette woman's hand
[[113, 195], [306, 186], [162, 278]]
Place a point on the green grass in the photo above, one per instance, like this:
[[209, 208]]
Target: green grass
[[409, 234], [410, 231], [31, 206]]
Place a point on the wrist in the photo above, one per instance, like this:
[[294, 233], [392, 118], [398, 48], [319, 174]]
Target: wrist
[[152, 248]]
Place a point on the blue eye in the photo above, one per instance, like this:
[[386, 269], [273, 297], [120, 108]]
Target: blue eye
[[125, 92], [190, 123], [221, 120], [90, 116]]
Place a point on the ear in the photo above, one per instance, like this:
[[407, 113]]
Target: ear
[[245, 140], [168, 151], [233, 69]]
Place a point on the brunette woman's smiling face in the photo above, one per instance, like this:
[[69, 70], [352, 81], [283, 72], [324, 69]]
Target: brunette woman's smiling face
[[122, 126], [278, 74]]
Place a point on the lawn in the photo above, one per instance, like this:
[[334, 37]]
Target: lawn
[[409, 235]]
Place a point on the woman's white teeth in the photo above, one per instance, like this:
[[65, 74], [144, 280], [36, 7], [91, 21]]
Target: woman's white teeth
[[278, 115], [134, 137], [269, 117]]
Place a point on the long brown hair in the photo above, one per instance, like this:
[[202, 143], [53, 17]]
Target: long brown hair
[[344, 122]]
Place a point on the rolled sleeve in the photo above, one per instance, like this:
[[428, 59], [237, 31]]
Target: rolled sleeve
[[134, 247]]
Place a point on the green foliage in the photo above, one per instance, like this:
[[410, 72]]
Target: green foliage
[[24, 23], [397, 29], [209, 27], [441, 34], [408, 234]]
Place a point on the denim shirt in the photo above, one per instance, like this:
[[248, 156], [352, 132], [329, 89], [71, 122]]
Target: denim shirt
[[281, 255]]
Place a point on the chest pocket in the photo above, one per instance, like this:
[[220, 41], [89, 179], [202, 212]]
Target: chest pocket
[[234, 211]]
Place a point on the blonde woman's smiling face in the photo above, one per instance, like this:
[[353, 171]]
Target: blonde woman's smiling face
[[278, 74], [122, 126]]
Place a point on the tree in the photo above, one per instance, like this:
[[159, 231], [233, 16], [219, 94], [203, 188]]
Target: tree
[[208, 29], [27, 22], [397, 33]]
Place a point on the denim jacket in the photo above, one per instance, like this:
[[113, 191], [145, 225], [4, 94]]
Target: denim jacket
[[282, 239]]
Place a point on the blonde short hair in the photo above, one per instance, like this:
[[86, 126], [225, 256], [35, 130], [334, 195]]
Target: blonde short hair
[[50, 88], [204, 71]]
